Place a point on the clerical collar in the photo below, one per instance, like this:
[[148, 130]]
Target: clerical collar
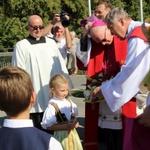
[[34, 40]]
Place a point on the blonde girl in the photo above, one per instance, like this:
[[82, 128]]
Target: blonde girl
[[60, 114]]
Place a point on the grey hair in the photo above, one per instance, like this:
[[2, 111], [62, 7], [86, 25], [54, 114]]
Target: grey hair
[[115, 14]]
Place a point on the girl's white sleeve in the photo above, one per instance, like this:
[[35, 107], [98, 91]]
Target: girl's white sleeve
[[74, 109], [49, 117]]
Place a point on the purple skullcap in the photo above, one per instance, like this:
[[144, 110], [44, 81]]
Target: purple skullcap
[[98, 23], [92, 18]]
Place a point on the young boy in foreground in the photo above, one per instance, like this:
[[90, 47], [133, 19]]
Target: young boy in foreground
[[16, 99]]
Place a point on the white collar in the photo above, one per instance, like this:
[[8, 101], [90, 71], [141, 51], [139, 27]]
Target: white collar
[[12, 123]]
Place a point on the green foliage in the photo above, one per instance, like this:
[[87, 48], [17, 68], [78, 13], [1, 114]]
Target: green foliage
[[14, 15], [118, 3], [12, 30]]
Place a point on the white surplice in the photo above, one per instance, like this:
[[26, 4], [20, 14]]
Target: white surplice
[[125, 84], [41, 61]]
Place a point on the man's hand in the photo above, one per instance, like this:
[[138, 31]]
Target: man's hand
[[67, 17], [56, 19], [144, 118], [96, 93]]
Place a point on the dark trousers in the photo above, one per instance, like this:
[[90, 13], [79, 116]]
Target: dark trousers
[[110, 139]]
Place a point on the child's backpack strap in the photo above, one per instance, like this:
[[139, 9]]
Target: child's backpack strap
[[61, 117], [142, 32], [70, 103]]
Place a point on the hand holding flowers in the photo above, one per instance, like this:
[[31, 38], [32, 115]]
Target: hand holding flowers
[[93, 92], [96, 94]]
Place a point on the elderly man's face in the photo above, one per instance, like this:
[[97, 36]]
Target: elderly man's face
[[101, 35], [101, 11], [59, 33], [118, 28]]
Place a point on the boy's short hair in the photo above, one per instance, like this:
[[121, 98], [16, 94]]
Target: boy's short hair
[[15, 90]]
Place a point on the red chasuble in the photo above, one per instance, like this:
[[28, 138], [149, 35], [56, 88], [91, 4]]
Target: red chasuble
[[115, 54]]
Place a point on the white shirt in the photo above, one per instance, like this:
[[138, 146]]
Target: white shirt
[[125, 84], [41, 61], [63, 49], [53, 143]]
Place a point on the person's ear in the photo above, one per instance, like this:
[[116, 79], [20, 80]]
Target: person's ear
[[27, 27], [108, 9], [121, 20], [52, 90], [33, 98]]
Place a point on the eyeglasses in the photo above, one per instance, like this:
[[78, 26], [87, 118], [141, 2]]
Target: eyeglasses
[[104, 40], [36, 27]]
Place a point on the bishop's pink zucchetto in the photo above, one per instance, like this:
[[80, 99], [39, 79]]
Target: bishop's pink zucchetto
[[92, 20], [98, 23]]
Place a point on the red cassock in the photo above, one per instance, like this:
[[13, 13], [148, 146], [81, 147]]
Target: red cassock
[[94, 68], [92, 110]]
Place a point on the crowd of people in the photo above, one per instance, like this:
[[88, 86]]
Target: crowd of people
[[106, 56], [34, 90]]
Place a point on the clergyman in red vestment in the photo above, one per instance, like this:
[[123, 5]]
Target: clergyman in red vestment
[[111, 56]]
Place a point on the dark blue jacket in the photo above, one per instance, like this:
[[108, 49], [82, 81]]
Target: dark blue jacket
[[27, 138]]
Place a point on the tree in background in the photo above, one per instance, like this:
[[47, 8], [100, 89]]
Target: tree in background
[[14, 15]]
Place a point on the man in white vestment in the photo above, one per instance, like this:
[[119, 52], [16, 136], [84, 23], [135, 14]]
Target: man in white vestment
[[126, 84], [63, 39], [40, 57], [60, 34]]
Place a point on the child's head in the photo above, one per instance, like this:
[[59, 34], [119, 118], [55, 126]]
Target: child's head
[[59, 86], [16, 90]]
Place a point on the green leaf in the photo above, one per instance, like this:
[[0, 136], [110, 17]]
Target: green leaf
[[95, 101], [86, 100], [78, 93], [88, 78]]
